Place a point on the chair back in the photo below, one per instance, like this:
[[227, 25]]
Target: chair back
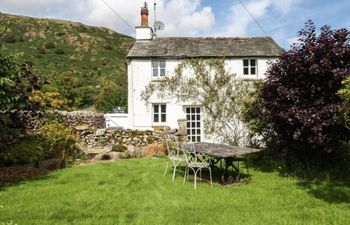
[[187, 149], [172, 147]]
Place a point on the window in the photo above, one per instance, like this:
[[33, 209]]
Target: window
[[193, 116], [249, 66], [159, 113], [158, 67]]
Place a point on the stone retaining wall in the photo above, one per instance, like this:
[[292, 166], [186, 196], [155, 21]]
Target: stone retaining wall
[[89, 127]]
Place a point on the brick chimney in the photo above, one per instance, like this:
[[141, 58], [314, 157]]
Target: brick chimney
[[144, 16], [144, 32]]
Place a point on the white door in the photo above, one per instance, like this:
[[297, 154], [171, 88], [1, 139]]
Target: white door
[[194, 123]]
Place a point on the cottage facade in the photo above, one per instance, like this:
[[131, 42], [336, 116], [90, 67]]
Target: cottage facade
[[152, 58]]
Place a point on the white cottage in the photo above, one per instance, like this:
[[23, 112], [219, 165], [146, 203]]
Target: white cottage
[[152, 58]]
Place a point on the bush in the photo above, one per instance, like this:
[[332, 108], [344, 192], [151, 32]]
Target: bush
[[10, 38], [60, 34], [50, 45], [59, 52], [344, 93], [108, 47], [59, 139], [41, 50], [298, 102], [29, 150]]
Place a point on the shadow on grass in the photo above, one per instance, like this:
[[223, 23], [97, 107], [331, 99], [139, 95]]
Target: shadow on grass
[[47, 175], [330, 185], [217, 176]]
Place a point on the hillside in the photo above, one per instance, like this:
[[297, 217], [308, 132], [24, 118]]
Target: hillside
[[84, 65]]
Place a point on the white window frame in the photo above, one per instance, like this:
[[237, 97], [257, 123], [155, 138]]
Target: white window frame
[[159, 113], [158, 71], [201, 120], [249, 67]]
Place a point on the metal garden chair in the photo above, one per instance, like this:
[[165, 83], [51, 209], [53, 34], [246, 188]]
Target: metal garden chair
[[173, 155], [196, 162]]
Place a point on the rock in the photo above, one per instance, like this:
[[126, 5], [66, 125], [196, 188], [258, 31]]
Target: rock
[[115, 155], [173, 131], [82, 127], [98, 157], [97, 150], [131, 150], [100, 132]]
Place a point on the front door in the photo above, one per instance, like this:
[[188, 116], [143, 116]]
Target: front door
[[194, 124]]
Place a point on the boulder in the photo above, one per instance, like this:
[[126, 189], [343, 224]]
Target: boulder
[[82, 127], [115, 155], [100, 132], [98, 150]]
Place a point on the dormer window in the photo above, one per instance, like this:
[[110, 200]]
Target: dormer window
[[249, 67], [158, 67]]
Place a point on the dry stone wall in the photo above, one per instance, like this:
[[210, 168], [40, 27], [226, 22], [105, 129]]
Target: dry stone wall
[[94, 139]]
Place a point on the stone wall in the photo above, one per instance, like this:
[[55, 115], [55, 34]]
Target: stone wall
[[30, 122], [94, 139], [82, 119], [22, 123]]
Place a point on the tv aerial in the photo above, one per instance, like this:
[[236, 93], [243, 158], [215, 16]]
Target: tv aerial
[[158, 25]]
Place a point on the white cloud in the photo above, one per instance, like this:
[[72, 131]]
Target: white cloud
[[285, 6], [239, 21], [31, 7]]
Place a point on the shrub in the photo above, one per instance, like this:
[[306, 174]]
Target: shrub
[[298, 102], [59, 139], [60, 34], [59, 52], [50, 45], [41, 50], [344, 93], [10, 38], [27, 151], [108, 47]]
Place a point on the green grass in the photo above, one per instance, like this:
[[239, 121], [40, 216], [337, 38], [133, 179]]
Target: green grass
[[136, 192]]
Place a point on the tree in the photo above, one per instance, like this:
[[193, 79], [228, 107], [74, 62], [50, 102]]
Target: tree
[[110, 95], [298, 102], [17, 82], [344, 93], [219, 93]]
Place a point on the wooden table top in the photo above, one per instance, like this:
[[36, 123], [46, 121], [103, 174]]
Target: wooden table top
[[221, 150]]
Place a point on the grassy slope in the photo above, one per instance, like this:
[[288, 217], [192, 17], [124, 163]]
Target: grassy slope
[[136, 192], [90, 53]]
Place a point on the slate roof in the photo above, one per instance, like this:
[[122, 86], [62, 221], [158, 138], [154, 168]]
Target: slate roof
[[187, 47]]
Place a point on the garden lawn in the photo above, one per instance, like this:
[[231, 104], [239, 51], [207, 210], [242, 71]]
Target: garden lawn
[[136, 192]]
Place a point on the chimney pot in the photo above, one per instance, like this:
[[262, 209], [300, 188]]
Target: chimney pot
[[144, 16]]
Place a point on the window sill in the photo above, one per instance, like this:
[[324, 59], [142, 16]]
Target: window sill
[[158, 80]]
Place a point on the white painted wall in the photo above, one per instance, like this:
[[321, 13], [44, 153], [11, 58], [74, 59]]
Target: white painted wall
[[144, 33], [139, 76], [117, 120]]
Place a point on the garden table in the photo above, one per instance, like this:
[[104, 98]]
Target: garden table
[[229, 154]]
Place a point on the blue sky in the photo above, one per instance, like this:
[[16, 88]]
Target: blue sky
[[281, 19]]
